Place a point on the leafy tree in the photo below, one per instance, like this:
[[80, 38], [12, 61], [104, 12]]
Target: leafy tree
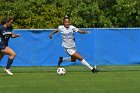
[[83, 13]]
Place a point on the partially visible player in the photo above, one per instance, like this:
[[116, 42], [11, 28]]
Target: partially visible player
[[5, 34], [67, 32]]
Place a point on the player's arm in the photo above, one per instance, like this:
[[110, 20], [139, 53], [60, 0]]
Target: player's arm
[[15, 35], [82, 32], [55, 31]]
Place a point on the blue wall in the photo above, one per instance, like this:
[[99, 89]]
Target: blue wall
[[100, 47]]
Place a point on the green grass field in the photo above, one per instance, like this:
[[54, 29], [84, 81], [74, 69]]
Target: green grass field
[[77, 80]]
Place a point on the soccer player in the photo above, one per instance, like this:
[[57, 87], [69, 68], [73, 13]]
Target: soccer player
[[5, 34], [67, 32]]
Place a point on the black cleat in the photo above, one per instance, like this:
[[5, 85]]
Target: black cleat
[[60, 60], [95, 70]]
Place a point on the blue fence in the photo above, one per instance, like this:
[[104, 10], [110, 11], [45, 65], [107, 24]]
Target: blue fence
[[101, 47]]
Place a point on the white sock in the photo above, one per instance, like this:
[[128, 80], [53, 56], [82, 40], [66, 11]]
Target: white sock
[[86, 64], [67, 59]]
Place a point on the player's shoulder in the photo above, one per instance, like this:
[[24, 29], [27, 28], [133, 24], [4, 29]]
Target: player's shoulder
[[61, 26], [71, 26], [75, 29]]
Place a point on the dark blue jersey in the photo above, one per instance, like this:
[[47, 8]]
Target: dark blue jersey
[[5, 34]]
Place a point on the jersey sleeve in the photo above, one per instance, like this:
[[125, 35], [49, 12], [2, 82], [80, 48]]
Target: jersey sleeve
[[75, 29], [0, 30], [59, 28]]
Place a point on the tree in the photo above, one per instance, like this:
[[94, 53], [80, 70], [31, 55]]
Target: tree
[[83, 13]]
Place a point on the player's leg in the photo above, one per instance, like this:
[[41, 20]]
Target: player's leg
[[1, 48], [80, 58], [68, 59], [84, 62], [12, 54], [1, 55]]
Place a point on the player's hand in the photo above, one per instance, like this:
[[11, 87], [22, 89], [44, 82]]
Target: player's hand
[[50, 36], [88, 32], [84, 32], [17, 35]]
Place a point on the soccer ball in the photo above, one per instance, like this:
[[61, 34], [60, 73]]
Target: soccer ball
[[61, 71]]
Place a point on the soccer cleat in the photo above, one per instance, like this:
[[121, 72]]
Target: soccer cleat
[[60, 60], [95, 70], [8, 71]]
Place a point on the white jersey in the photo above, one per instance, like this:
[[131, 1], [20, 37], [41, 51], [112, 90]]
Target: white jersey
[[68, 36]]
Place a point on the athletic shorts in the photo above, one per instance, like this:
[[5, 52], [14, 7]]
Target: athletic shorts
[[70, 51], [2, 46]]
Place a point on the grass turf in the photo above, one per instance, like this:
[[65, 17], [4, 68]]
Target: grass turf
[[81, 81]]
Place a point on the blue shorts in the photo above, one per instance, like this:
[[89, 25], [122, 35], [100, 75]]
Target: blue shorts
[[2, 46]]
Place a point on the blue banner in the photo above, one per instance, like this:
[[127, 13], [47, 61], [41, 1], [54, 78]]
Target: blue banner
[[103, 46]]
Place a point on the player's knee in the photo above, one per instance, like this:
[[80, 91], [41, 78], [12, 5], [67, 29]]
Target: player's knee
[[12, 56], [80, 59], [74, 60]]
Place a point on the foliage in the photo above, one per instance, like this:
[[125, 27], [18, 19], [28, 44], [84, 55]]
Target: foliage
[[83, 13]]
